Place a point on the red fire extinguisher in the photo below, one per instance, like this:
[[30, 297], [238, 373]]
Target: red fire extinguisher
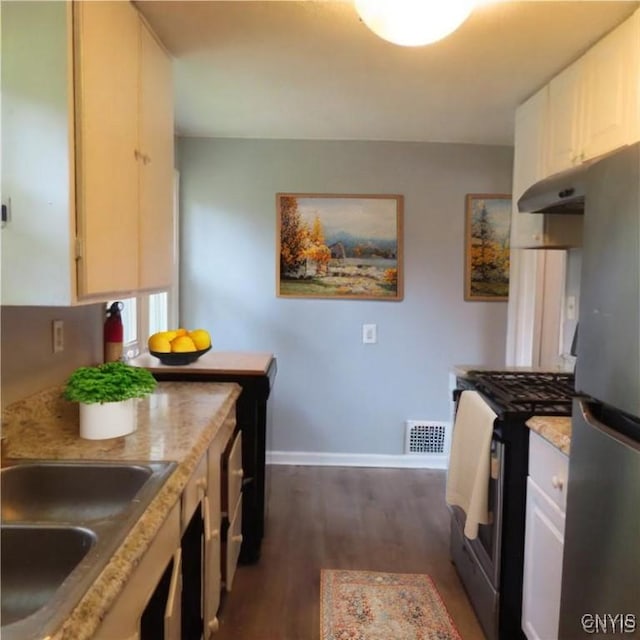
[[113, 333]]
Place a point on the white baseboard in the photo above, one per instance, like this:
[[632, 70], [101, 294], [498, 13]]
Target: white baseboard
[[313, 458]]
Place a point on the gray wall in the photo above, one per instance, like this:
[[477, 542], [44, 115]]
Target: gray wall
[[28, 362], [334, 394]]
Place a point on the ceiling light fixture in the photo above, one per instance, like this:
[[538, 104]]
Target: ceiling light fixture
[[413, 23]]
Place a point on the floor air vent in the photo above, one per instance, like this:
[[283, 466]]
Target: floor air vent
[[425, 437]]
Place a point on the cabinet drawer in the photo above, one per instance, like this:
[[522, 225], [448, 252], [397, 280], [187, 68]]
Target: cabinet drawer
[[549, 468], [234, 474], [212, 574], [194, 492], [232, 546]]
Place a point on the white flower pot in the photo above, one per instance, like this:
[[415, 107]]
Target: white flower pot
[[108, 420]]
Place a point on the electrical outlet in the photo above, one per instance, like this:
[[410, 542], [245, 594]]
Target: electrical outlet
[[58, 336], [369, 334]]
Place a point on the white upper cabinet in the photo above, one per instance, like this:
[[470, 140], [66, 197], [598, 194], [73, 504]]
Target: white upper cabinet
[[125, 147], [107, 81], [535, 230], [156, 252], [87, 163], [565, 116], [38, 189], [530, 142], [593, 103]]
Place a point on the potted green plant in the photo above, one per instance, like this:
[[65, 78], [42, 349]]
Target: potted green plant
[[106, 394]]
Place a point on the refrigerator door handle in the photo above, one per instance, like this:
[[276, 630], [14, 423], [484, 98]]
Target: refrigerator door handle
[[592, 421]]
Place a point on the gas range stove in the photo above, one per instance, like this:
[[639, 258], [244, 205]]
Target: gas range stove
[[526, 393]]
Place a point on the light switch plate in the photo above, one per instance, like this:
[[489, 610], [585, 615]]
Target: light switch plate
[[369, 333], [58, 336]]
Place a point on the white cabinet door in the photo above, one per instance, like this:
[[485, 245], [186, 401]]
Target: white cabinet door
[[593, 102], [531, 124], [156, 165], [233, 545], [90, 213], [212, 570], [544, 544], [107, 80], [610, 117], [122, 620], [565, 117], [535, 230], [528, 167], [37, 154]]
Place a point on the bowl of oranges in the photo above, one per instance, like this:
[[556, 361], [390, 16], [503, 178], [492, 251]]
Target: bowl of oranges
[[178, 347]]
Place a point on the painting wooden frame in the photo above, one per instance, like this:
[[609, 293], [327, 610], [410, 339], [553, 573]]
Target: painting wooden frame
[[339, 246], [487, 235]]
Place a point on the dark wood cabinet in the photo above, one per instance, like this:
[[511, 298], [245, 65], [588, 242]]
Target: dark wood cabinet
[[252, 418]]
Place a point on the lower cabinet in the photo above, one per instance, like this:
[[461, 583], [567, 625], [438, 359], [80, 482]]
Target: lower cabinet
[[544, 539], [175, 592], [160, 570]]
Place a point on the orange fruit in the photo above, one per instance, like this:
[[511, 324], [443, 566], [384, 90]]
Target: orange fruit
[[159, 342], [182, 344], [181, 332], [201, 338]]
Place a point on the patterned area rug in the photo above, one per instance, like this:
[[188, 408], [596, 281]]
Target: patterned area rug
[[365, 605]]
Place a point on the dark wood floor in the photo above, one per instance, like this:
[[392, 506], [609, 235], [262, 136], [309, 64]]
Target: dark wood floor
[[341, 518]]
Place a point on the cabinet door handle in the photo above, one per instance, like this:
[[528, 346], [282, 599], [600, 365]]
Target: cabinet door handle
[[215, 534], [557, 483], [237, 538], [213, 625], [201, 483], [238, 473]]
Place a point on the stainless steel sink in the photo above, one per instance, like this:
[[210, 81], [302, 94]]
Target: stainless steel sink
[[34, 562], [61, 523], [55, 491]]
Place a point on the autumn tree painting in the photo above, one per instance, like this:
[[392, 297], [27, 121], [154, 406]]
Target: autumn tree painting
[[340, 246], [487, 247]]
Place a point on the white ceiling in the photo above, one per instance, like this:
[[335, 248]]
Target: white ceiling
[[311, 69]]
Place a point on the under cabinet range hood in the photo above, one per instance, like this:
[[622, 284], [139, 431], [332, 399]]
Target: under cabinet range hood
[[559, 193]]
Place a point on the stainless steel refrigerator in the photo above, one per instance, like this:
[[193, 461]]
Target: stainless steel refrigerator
[[601, 567]]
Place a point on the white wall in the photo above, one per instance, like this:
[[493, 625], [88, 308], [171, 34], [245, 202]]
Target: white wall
[[332, 393], [572, 289]]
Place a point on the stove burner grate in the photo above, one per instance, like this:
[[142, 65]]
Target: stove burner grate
[[527, 392]]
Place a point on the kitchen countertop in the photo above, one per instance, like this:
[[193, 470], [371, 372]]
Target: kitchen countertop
[[228, 362], [175, 423], [555, 429], [463, 369]]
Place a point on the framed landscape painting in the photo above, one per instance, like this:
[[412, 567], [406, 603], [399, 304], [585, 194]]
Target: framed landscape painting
[[339, 246], [487, 231]]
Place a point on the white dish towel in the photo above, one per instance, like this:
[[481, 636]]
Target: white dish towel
[[470, 460]]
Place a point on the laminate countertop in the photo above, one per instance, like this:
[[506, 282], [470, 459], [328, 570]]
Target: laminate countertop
[[219, 362], [555, 429], [175, 423]]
